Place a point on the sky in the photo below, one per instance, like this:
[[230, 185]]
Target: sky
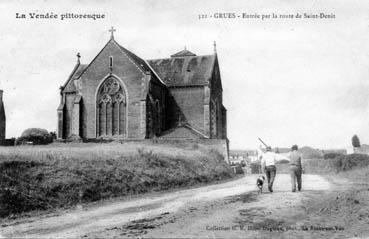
[[288, 81]]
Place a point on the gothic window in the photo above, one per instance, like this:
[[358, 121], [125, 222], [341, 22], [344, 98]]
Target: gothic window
[[122, 118], [109, 119], [115, 118], [111, 109], [102, 121], [213, 118], [111, 63]]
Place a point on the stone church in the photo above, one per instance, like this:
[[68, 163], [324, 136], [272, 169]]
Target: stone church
[[118, 95]]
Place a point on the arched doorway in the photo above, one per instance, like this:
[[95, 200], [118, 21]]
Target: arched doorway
[[111, 109]]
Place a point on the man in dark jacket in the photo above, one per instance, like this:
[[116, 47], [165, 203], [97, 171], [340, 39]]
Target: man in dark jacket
[[295, 168]]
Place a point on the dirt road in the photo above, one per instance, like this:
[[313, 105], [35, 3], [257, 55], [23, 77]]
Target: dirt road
[[210, 211]]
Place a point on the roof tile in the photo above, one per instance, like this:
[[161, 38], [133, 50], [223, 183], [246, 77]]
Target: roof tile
[[184, 71], [70, 87]]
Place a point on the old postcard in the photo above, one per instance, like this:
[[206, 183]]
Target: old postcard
[[184, 119]]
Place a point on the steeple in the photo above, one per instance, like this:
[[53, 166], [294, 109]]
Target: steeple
[[78, 58], [183, 53], [215, 47], [112, 30]]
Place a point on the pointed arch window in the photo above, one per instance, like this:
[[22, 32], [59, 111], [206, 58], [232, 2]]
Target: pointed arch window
[[213, 118], [111, 62], [111, 109]]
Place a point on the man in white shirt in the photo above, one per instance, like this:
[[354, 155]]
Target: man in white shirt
[[268, 161]]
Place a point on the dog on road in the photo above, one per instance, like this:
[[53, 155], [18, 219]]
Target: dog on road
[[260, 183]]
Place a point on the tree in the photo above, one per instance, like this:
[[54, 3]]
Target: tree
[[36, 136], [355, 141], [53, 135]]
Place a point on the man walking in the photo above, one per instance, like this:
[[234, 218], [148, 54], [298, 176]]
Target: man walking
[[268, 164], [295, 168]]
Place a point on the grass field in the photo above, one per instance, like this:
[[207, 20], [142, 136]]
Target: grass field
[[63, 175]]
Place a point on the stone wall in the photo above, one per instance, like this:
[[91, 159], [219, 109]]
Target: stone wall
[[217, 110], [219, 145], [127, 73], [155, 110], [69, 102], [132, 78], [189, 101]]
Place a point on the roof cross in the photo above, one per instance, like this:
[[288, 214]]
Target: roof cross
[[112, 30], [78, 56]]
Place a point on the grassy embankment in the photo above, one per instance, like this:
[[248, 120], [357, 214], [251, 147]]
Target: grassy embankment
[[45, 177]]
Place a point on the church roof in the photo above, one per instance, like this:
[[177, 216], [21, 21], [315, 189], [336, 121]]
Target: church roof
[[77, 71], [183, 53], [140, 62], [184, 70]]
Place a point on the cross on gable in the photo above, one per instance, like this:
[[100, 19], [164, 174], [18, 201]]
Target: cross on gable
[[112, 30]]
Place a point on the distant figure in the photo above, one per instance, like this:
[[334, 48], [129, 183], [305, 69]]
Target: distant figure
[[295, 168], [259, 155], [259, 152], [268, 160]]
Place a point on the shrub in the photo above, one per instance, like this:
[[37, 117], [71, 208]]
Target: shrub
[[36, 136], [8, 142], [237, 169], [354, 161], [310, 153], [355, 141], [255, 167], [332, 155], [336, 164]]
